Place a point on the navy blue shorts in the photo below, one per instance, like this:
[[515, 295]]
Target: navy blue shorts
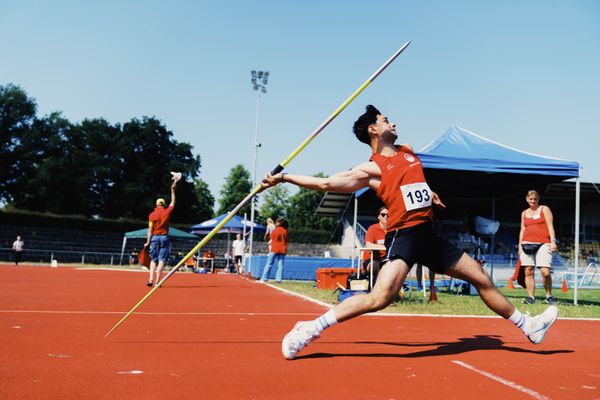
[[160, 247], [420, 244]]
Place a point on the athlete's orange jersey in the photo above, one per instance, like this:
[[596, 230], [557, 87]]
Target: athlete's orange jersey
[[403, 189]]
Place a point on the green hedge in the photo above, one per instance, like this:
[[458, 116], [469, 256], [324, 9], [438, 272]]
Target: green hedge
[[76, 222]]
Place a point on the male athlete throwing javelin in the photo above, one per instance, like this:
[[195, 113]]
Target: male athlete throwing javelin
[[395, 173]]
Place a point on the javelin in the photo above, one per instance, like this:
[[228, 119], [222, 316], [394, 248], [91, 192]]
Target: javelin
[[259, 187]]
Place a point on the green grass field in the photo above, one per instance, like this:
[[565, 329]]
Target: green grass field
[[452, 304], [448, 303]]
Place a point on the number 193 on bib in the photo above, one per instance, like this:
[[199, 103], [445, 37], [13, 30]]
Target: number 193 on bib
[[416, 195]]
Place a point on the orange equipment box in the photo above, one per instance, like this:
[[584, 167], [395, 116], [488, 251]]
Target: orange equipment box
[[328, 278]]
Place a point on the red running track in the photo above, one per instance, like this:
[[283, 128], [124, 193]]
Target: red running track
[[218, 336]]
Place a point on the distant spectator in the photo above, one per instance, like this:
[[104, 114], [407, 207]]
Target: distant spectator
[[133, 257], [278, 251], [537, 242], [158, 233], [208, 260], [270, 228], [227, 257], [17, 247], [195, 262], [237, 248], [190, 263]]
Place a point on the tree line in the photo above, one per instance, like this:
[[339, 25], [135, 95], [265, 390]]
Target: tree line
[[101, 170]]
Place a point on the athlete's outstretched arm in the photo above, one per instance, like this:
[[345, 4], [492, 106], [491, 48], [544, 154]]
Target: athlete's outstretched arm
[[361, 176]]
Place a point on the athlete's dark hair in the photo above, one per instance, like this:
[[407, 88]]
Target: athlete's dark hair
[[361, 126]]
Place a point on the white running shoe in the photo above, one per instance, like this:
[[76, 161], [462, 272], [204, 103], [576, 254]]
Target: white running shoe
[[540, 324], [298, 338]]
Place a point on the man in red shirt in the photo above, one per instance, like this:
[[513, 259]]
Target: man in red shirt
[[375, 238], [396, 175], [158, 233], [278, 251]]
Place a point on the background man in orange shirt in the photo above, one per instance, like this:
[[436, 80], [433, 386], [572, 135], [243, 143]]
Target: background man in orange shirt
[[158, 232], [278, 250], [375, 238]]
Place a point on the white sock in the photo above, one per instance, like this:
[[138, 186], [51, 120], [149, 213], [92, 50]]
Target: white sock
[[325, 321], [520, 320]]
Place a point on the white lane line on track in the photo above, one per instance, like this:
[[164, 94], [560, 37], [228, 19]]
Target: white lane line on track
[[110, 269], [506, 382], [378, 314], [258, 314]]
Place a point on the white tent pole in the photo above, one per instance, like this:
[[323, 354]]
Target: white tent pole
[[493, 239], [424, 282], [228, 252], [250, 247], [123, 249], [577, 188], [244, 228], [355, 235]]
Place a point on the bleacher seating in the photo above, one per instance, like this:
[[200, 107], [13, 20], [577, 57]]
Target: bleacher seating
[[587, 249], [105, 247]]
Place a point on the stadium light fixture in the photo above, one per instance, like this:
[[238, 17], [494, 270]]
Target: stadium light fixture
[[259, 84]]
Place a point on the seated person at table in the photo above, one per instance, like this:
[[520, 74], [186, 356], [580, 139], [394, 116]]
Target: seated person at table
[[375, 238]]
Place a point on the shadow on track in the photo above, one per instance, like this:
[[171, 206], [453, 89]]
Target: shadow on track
[[463, 345]]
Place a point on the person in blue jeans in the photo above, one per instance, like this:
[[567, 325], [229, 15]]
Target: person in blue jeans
[[278, 250], [158, 233]]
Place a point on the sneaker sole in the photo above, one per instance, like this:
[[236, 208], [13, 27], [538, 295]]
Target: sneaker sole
[[547, 328]]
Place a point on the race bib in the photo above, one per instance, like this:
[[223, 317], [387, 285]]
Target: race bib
[[416, 195]]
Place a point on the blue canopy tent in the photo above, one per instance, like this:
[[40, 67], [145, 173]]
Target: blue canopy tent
[[490, 167], [460, 149], [234, 225]]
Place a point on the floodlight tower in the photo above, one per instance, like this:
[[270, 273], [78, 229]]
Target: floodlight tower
[[259, 80]]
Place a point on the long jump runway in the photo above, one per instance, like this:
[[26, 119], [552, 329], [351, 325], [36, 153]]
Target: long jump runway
[[218, 336]]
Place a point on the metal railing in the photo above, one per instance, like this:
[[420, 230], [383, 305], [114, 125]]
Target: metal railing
[[93, 257], [64, 256]]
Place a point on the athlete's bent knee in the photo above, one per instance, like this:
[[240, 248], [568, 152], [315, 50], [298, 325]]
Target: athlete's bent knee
[[379, 301], [482, 281]]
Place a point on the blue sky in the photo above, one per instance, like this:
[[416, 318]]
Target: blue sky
[[523, 73]]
